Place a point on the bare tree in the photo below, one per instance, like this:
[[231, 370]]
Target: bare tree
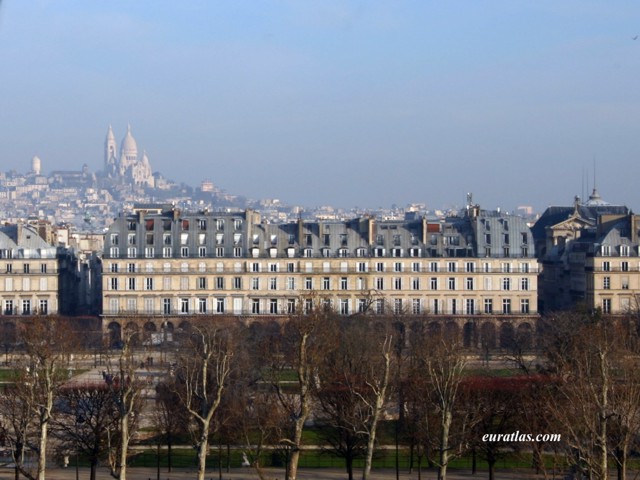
[[297, 350], [353, 387], [47, 343], [203, 369], [126, 390], [583, 405], [86, 414], [170, 417], [17, 421], [443, 362]]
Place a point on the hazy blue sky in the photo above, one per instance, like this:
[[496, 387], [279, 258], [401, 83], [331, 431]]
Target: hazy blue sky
[[363, 103]]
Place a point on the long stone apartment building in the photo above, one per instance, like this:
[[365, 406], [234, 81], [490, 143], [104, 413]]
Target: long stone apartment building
[[32, 271], [162, 266], [590, 254]]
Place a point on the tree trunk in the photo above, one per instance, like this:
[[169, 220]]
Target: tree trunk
[[292, 467], [349, 461], [380, 398], [492, 469], [94, 468], [42, 454], [124, 446], [444, 445], [203, 449]]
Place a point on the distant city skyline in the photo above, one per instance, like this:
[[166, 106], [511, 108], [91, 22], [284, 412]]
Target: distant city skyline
[[356, 103]]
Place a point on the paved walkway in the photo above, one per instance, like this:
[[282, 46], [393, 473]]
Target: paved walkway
[[274, 474]]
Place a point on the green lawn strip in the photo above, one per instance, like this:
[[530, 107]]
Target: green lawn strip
[[320, 458]]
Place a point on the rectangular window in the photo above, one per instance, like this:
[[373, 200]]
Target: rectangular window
[[166, 283], [606, 266], [624, 266], [433, 283], [43, 268], [44, 307], [433, 266], [26, 307], [415, 283], [470, 267], [397, 283], [506, 305], [219, 283], [606, 305], [184, 305], [291, 305], [114, 284], [255, 283], [380, 283], [362, 305], [273, 283], [415, 267], [397, 306], [237, 283], [166, 306], [202, 283], [344, 306], [416, 306], [506, 267], [606, 283], [148, 283], [524, 284], [454, 306], [326, 283], [202, 305], [524, 305], [470, 306], [397, 267], [506, 283], [202, 252], [291, 283], [219, 305], [488, 305], [344, 283], [273, 306], [8, 307], [184, 283], [452, 283], [308, 283], [255, 306], [379, 267], [469, 283], [451, 266]]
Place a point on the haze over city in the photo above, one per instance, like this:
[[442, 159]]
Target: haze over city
[[361, 103]]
